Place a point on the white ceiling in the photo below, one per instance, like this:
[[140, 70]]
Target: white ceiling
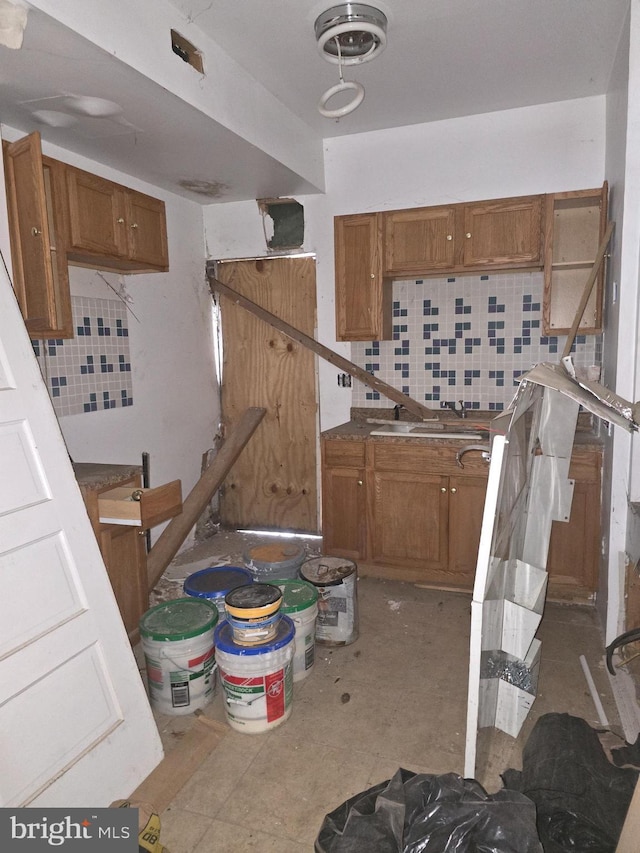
[[444, 59]]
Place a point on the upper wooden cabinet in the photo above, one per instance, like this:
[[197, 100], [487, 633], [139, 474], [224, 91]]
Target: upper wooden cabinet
[[505, 233], [498, 234], [575, 225], [363, 296], [114, 227], [59, 215], [35, 191], [420, 239]]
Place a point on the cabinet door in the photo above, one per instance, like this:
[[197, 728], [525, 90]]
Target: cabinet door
[[574, 548], [503, 232], [344, 512], [123, 552], [409, 526], [33, 272], [466, 507], [419, 240], [146, 230], [363, 298], [96, 214]]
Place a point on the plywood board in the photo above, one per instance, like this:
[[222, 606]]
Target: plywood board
[[274, 483]]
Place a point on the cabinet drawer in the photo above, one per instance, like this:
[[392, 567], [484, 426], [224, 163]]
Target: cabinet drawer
[[344, 454], [436, 458], [140, 507]]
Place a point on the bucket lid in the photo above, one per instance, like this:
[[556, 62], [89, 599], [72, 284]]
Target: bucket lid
[[275, 552], [225, 643], [296, 595], [253, 602], [180, 619], [327, 571], [216, 581]]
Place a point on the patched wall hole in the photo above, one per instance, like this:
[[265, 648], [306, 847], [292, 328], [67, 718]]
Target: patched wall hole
[[188, 52]]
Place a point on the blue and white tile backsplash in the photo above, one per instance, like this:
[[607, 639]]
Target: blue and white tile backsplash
[[92, 371], [467, 338]]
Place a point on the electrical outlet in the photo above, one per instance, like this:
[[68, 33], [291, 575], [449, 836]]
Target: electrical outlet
[[344, 380]]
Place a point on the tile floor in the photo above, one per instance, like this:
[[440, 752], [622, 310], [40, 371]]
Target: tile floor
[[394, 698]]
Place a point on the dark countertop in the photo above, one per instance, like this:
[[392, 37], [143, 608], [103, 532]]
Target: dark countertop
[[94, 475]]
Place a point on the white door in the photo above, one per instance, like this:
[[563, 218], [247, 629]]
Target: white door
[[76, 728]]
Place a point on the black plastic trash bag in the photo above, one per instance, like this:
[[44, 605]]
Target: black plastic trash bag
[[581, 797], [421, 813]]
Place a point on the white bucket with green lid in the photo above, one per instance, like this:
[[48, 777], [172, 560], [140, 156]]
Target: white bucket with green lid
[[300, 603], [177, 640]]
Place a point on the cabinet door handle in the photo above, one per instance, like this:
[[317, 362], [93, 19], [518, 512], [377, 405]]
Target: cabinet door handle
[[453, 490], [35, 232], [134, 225], [443, 489], [373, 275], [360, 483], [120, 220], [449, 236], [468, 234]]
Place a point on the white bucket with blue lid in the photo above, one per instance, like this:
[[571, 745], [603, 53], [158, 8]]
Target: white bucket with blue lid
[[214, 582], [178, 643], [257, 681]]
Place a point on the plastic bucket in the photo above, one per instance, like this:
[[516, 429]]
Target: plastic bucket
[[215, 582], [275, 560], [178, 644], [257, 681], [300, 604], [253, 612], [335, 579]]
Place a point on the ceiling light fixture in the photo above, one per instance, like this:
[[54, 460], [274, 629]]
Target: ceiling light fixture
[[349, 34]]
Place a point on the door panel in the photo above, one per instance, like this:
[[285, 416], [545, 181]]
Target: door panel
[[71, 697], [273, 484]]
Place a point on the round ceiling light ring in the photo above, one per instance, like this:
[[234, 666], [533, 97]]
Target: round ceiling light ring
[[353, 104], [379, 42]]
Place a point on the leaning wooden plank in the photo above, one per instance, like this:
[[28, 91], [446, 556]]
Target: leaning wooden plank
[[628, 841], [586, 293], [194, 504], [329, 355], [177, 767]]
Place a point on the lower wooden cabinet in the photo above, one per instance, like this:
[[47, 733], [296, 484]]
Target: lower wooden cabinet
[[122, 544], [405, 511], [574, 549], [402, 510], [344, 504], [125, 558]]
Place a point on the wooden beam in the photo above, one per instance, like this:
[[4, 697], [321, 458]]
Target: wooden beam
[[329, 355], [586, 293], [194, 504], [628, 841]]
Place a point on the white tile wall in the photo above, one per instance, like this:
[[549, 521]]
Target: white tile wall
[[92, 370], [467, 338]]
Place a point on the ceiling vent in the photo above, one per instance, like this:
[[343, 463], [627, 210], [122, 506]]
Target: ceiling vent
[[351, 33]]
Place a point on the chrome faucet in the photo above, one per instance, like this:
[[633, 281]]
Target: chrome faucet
[[460, 413]]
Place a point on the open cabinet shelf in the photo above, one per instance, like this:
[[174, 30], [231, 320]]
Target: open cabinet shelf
[[575, 224]]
